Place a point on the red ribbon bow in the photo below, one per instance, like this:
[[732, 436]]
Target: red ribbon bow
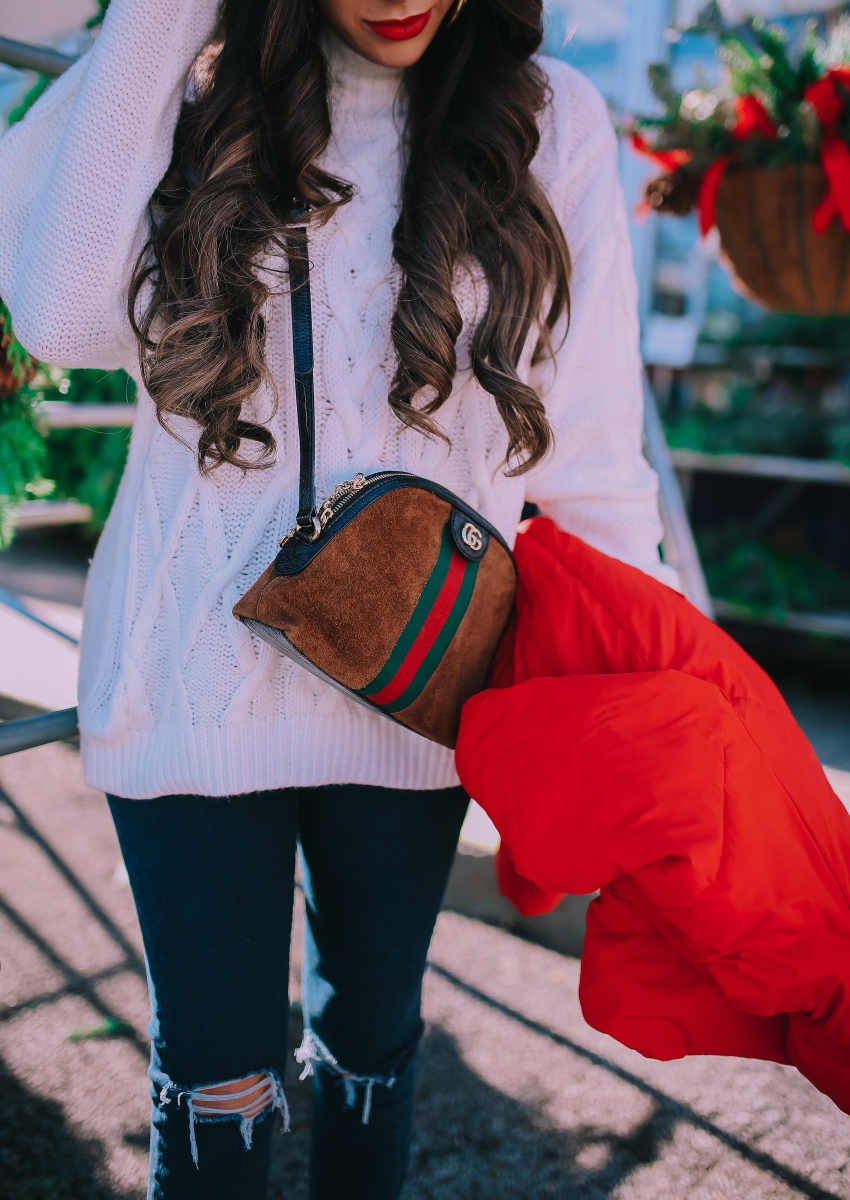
[[668, 159], [827, 101], [750, 117]]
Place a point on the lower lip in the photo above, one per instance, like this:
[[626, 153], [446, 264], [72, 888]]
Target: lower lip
[[400, 31]]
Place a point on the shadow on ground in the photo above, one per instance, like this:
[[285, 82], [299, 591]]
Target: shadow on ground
[[472, 1142], [41, 1158], [291, 1152]]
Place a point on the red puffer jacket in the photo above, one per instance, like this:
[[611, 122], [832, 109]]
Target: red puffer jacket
[[628, 744]]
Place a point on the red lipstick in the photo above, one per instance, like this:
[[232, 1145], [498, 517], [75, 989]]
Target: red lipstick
[[400, 31]]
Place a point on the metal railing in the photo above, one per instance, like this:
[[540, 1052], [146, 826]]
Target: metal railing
[[26, 733], [680, 550], [42, 59], [67, 414]]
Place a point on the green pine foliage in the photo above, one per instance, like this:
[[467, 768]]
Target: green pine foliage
[[22, 449], [16, 358], [745, 428], [83, 464], [661, 82], [23, 455], [86, 464], [770, 576]]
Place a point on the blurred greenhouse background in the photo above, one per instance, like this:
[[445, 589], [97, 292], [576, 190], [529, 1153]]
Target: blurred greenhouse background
[[768, 392]]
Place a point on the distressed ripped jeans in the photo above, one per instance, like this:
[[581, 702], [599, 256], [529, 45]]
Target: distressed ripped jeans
[[213, 883]]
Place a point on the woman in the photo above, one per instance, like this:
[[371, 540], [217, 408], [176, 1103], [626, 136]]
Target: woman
[[144, 202]]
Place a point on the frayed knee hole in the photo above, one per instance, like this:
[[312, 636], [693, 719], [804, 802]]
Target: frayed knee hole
[[241, 1099], [246, 1097]]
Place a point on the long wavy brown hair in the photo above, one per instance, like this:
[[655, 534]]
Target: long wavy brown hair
[[248, 143]]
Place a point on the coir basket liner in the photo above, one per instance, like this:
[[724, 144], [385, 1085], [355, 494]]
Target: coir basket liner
[[764, 217]]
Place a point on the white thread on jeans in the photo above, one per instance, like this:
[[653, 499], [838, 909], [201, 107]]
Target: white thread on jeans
[[313, 1051]]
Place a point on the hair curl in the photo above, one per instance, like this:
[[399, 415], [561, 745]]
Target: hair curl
[[248, 143]]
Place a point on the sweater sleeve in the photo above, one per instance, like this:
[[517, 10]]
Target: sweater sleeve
[[76, 176], [595, 483]]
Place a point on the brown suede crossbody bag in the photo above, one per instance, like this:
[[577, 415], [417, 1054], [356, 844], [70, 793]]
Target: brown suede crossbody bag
[[393, 589]]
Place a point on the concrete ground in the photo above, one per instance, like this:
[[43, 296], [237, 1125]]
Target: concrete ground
[[518, 1097]]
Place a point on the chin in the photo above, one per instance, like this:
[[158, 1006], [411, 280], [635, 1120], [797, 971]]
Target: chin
[[391, 54], [397, 56]]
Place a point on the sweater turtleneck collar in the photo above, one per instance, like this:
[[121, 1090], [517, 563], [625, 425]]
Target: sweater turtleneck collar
[[360, 90]]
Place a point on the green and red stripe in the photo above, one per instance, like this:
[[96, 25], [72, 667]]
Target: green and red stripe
[[427, 635]]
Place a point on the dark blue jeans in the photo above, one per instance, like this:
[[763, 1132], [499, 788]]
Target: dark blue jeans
[[213, 885]]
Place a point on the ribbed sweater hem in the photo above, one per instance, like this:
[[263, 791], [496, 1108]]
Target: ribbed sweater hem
[[205, 760]]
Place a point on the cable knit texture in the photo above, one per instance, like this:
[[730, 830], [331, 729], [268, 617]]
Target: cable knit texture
[[175, 695]]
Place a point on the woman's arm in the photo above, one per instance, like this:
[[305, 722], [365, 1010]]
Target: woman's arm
[[76, 175], [596, 482]]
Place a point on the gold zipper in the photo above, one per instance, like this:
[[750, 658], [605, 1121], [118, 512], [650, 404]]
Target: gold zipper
[[342, 490], [341, 494]]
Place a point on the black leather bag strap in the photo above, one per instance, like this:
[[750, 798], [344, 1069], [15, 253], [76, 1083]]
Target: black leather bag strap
[[306, 522]]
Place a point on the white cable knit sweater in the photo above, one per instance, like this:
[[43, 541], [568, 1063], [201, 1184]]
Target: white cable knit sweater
[[175, 695]]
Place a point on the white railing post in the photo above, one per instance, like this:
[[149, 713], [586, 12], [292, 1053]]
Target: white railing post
[[680, 549]]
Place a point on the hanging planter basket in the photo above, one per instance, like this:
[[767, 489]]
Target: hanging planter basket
[[764, 155], [764, 218]]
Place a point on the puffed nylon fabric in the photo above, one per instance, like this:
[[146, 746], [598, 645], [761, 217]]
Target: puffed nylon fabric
[[627, 744]]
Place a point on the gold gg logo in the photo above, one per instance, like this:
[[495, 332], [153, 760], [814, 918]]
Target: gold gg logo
[[471, 536]]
